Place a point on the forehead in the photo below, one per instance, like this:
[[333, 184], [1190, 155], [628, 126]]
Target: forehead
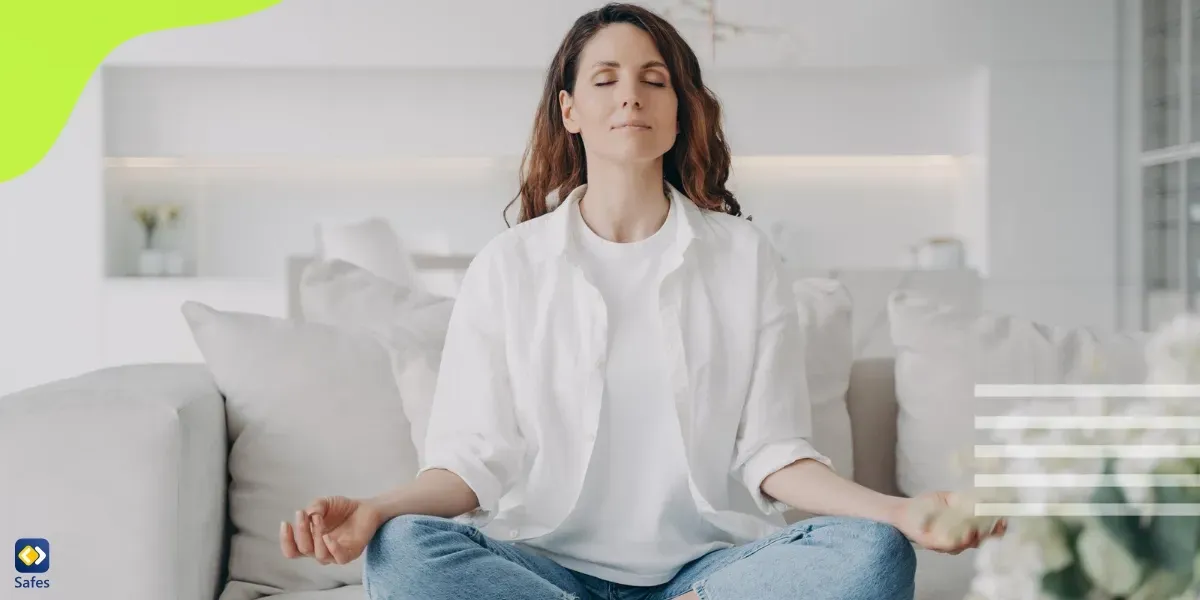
[[620, 42]]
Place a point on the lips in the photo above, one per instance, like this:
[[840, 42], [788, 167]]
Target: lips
[[632, 125]]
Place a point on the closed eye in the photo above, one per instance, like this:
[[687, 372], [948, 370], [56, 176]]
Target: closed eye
[[653, 83]]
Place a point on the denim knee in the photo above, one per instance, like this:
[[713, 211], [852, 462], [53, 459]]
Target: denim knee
[[399, 549], [884, 555]]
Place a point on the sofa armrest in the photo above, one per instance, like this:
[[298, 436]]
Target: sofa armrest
[[123, 472]]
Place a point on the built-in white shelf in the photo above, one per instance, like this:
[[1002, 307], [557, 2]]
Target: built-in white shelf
[[243, 215], [259, 157]]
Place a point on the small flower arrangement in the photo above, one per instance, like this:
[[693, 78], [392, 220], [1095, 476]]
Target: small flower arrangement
[[151, 217], [1124, 525]]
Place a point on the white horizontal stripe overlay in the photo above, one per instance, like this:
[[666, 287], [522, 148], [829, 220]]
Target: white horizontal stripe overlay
[[1071, 480], [1000, 509], [1089, 451], [1072, 390], [1082, 422], [1085, 450]]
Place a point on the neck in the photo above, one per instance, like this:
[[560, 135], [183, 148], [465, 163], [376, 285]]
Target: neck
[[623, 204]]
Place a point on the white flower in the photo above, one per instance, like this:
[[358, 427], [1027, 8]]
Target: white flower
[[1001, 573], [1011, 567], [1173, 353]]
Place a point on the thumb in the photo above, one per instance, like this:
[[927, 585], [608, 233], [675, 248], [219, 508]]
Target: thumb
[[318, 507]]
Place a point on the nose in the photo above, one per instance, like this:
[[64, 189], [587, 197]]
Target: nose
[[630, 97]]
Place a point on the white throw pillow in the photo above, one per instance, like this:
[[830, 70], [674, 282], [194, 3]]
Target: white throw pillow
[[312, 411], [410, 322], [942, 352], [826, 312], [371, 244]]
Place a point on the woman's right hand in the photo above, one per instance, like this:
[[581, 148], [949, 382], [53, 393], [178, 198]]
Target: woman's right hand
[[332, 530]]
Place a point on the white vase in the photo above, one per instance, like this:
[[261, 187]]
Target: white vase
[[939, 253], [175, 263], [151, 263]]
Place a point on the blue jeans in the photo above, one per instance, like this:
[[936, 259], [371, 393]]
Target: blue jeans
[[823, 558]]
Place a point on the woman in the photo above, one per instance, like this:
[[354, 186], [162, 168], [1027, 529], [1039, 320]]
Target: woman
[[621, 410]]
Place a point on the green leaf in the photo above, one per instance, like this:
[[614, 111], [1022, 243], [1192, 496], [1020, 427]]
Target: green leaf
[[1159, 585], [1174, 540], [1110, 565], [1124, 528], [1067, 583]]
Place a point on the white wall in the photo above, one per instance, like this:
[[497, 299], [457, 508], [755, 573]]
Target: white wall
[[1049, 141], [524, 33], [1052, 192], [1130, 264], [850, 111], [51, 251], [1052, 160], [854, 217], [486, 112]]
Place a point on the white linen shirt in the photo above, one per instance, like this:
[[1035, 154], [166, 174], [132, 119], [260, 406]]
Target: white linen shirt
[[518, 393]]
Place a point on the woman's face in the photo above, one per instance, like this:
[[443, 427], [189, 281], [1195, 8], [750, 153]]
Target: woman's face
[[624, 105]]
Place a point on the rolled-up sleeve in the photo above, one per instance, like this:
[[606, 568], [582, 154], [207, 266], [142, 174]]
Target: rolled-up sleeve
[[473, 430], [776, 421]]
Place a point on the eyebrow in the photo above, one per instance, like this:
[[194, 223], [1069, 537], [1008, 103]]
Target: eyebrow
[[615, 65]]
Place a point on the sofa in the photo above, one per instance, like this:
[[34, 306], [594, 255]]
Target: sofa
[[139, 475], [124, 471]]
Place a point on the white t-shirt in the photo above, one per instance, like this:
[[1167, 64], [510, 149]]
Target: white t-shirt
[[635, 522]]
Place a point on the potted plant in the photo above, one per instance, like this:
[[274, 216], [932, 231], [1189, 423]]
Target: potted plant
[[152, 260]]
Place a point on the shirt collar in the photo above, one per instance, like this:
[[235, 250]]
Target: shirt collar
[[558, 238]]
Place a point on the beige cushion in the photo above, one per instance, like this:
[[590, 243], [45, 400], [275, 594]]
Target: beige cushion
[[371, 244], [312, 411], [942, 352], [825, 311], [409, 322]]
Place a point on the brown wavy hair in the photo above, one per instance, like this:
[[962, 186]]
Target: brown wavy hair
[[698, 163]]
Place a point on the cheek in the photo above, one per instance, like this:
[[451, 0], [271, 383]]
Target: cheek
[[665, 140], [591, 108], [670, 110], [669, 117]]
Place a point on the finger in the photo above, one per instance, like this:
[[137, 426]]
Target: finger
[[304, 539], [286, 540], [1001, 527], [322, 551], [319, 507], [340, 555]]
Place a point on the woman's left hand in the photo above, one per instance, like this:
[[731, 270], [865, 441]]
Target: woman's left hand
[[909, 519]]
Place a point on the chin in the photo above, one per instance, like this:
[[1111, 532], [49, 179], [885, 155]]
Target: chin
[[635, 155]]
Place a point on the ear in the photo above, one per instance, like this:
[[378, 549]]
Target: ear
[[567, 103]]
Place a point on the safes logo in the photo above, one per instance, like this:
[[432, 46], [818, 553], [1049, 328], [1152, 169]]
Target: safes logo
[[32, 555]]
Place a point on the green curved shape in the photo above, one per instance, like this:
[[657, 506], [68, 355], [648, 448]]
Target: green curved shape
[[50, 48]]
